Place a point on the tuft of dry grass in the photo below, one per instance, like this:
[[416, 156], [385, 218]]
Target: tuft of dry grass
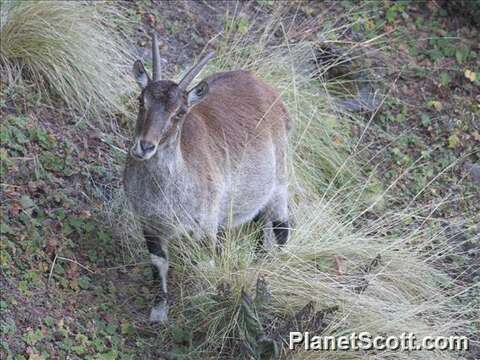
[[67, 49]]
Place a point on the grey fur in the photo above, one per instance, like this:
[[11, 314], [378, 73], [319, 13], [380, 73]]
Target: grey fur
[[215, 164]]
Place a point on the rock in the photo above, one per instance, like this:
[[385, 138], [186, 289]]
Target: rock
[[367, 100], [475, 172]]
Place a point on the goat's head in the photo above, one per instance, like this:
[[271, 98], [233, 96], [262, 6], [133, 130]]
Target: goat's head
[[163, 104]]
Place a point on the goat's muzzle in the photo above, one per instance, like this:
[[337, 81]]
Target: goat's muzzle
[[143, 150]]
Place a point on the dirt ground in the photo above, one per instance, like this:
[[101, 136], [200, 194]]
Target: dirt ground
[[71, 305]]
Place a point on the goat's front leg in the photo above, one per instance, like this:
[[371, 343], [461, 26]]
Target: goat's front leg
[[207, 238], [158, 249]]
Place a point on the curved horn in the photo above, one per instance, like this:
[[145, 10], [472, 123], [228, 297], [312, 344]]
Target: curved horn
[[194, 71], [156, 65]]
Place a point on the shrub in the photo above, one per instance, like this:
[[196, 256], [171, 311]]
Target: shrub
[[66, 49]]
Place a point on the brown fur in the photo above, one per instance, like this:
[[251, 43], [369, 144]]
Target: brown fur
[[214, 161], [223, 127]]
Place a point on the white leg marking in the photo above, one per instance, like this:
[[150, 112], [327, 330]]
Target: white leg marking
[[159, 313], [162, 265]]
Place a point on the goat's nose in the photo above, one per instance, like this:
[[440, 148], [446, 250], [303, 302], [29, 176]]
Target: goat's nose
[[146, 146]]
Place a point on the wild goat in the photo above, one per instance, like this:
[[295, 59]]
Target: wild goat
[[205, 159]]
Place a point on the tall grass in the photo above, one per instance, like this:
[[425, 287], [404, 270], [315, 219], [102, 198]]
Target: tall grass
[[69, 50], [333, 277]]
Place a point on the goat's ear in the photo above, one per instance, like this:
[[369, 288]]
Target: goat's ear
[[140, 74], [197, 94]]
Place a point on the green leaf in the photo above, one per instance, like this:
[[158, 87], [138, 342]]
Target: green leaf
[[437, 105], [127, 329], [20, 136], [435, 54], [425, 120], [453, 141], [23, 286], [42, 138], [459, 55], [391, 13], [111, 355], [5, 136], [32, 337], [49, 321], [243, 25], [444, 79], [84, 282], [111, 328], [99, 345], [26, 202], [79, 349], [6, 229]]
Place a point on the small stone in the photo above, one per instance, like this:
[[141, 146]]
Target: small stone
[[58, 335], [475, 172]]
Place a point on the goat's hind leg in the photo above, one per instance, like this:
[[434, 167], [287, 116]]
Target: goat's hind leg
[[159, 257], [277, 224]]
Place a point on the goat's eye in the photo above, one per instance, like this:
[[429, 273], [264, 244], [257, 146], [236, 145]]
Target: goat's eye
[[140, 101]]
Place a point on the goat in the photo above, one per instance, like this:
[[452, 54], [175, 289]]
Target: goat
[[205, 159]]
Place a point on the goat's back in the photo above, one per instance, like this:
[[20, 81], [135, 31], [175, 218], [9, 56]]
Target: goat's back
[[239, 113]]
